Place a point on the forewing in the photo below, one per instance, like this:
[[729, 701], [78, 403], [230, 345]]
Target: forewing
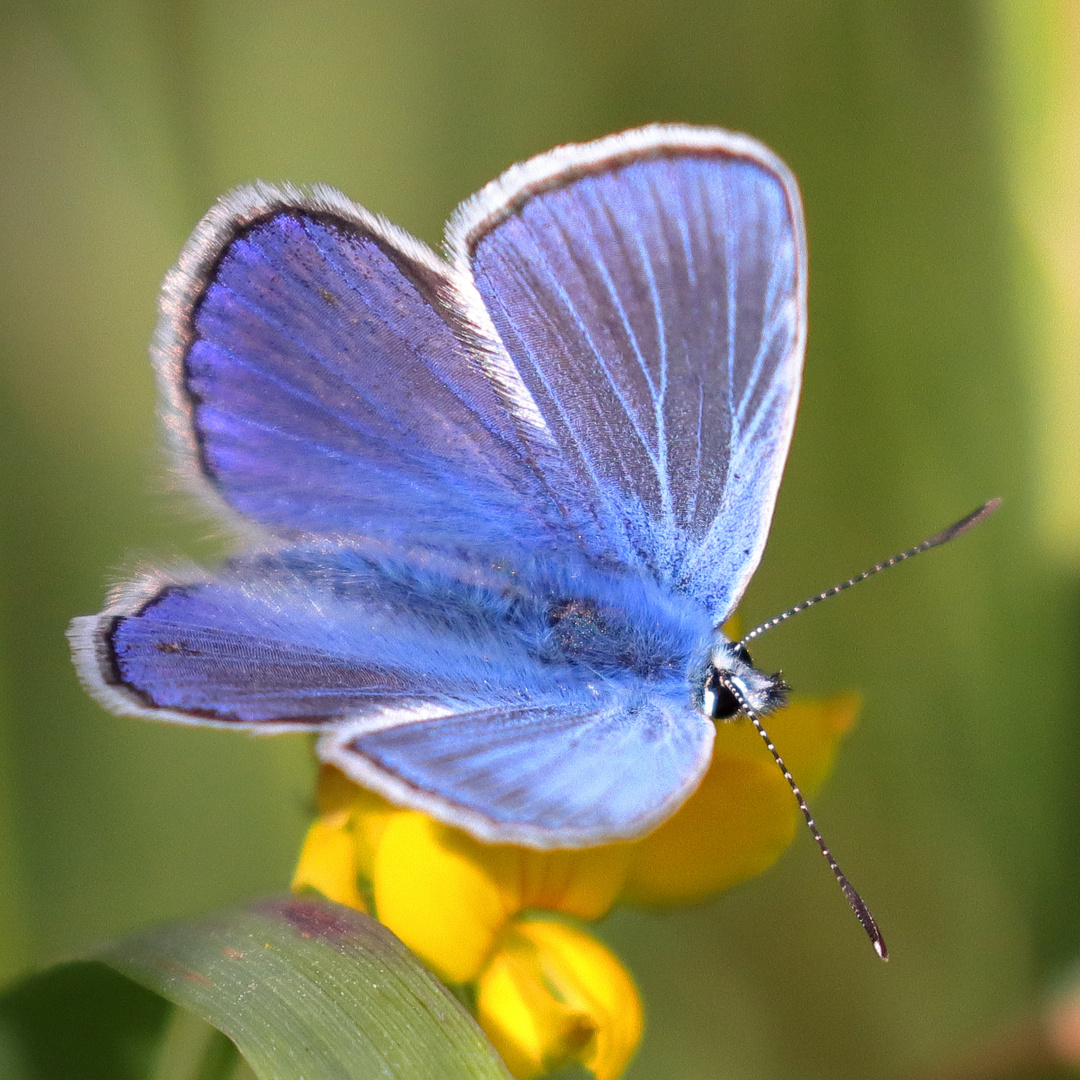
[[322, 378], [650, 289], [590, 770]]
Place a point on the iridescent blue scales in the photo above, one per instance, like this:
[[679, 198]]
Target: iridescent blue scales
[[490, 511]]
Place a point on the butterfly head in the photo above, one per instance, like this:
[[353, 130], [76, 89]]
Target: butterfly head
[[730, 669]]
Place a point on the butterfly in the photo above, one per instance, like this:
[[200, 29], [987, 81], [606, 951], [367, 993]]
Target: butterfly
[[492, 510]]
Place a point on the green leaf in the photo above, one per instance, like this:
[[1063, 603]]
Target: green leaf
[[306, 988]]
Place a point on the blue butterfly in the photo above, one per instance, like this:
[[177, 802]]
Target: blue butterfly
[[491, 511]]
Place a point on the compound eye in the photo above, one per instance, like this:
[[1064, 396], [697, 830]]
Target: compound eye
[[743, 655], [719, 702]]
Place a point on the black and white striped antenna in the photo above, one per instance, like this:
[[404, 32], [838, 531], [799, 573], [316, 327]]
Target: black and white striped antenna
[[738, 691]]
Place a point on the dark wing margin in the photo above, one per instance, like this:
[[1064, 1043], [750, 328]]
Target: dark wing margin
[[650, 289], [321, 376]]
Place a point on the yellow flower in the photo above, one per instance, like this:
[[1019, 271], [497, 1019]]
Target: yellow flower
[[552, 994], [547, 993], [495, 917]]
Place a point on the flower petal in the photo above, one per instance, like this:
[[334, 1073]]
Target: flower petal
[[328, 862], [743, 815], [367, 814], [583, 883], [448, 896], [552, 995], [441, 901]]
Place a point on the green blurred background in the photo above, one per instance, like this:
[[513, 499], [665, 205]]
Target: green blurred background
[[938, 148]]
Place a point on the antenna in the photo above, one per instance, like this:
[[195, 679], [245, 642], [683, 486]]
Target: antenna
[[943, 537], [741, 695], [858, 905]]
